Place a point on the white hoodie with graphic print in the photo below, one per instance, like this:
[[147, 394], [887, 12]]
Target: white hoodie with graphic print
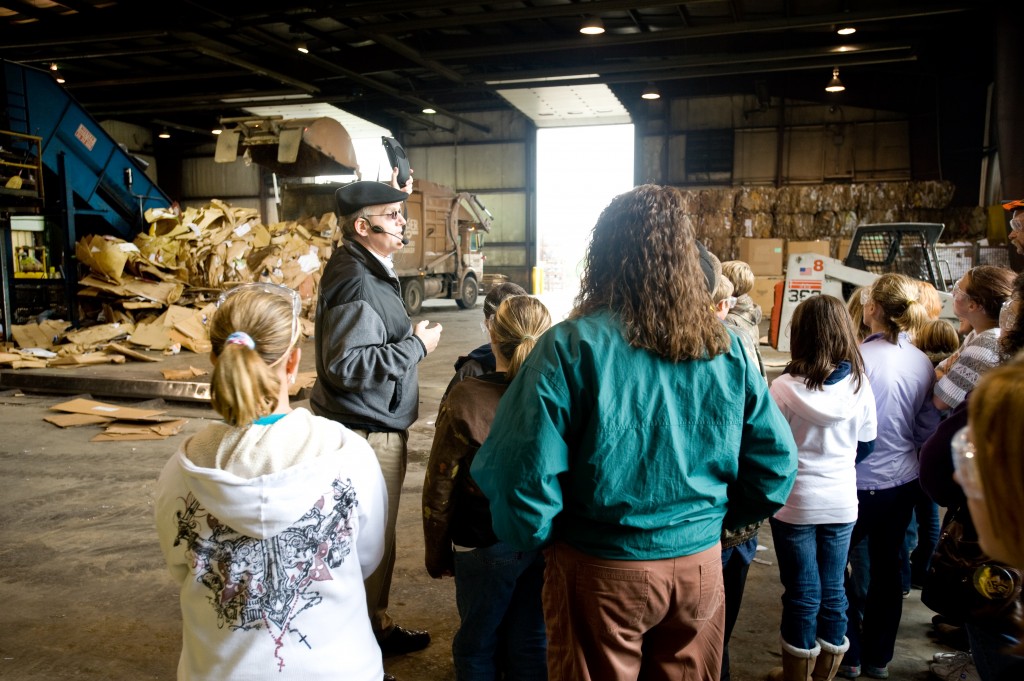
[[269, 531]]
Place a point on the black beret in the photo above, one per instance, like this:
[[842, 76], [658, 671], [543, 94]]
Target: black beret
[[361, 194], [708, 267]]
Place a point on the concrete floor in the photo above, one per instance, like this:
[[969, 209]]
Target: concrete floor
[[84, 589]]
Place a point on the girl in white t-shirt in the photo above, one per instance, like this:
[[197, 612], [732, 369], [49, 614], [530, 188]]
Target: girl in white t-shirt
[[826, 397]]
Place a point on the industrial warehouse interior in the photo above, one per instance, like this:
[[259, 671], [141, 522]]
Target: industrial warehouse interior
[[153, 155]]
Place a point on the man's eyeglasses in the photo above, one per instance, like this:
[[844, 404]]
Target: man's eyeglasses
[[289, 294], [393, 215], [964, 464]]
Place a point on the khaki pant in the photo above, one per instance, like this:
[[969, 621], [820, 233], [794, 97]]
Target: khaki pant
[[393, 456], [610, 620]]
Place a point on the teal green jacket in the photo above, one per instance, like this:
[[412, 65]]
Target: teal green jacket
[[625, 455]]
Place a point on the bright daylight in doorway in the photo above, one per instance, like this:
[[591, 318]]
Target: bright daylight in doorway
[[579, 170]]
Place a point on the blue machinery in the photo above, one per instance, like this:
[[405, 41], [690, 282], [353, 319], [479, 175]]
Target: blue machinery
[[91, 181]]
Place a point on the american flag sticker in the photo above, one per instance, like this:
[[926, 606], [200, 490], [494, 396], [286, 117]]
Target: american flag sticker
[[805, 270]]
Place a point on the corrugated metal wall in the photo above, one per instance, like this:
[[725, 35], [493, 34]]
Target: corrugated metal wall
[[493, 161]]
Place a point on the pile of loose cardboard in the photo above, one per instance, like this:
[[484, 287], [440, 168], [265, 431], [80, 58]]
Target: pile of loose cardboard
[[159, 291], [120, 423]]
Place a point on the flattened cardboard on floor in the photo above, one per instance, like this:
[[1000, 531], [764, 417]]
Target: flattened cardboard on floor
[[84, 406], [75, 420]]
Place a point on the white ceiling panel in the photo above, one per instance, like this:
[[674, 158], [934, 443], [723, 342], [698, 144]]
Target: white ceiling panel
[[568, 106]]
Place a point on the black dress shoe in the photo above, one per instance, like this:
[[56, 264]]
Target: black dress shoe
[[400, 640]]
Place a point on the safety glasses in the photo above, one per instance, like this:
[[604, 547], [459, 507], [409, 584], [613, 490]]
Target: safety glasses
[[957, 291], [290, 294], [964, 464]]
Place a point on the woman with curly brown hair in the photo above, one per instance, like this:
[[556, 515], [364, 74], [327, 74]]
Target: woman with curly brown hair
[[630, 430]]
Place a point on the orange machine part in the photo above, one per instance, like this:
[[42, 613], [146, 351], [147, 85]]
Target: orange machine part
[[773, 330]]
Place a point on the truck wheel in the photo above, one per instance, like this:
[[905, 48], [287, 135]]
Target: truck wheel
[[412, 295], [468, 293]]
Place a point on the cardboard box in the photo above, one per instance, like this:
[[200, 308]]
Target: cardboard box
[[821, 247], [763, 293], [844, 248], [765, 256]]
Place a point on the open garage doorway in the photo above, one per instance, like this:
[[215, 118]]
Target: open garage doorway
[[579, 170]]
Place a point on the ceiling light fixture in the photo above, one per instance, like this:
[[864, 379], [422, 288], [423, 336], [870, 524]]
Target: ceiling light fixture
[[846, 30], [216, 131], [835, 85], [56, 74], [429, 110], [165, 134], [302, 47], [650, 92], [592, 26]]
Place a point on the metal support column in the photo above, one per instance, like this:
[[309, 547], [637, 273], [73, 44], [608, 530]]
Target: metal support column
[[6, 273]]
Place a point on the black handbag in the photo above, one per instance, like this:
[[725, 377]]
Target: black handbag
[[963, 583]]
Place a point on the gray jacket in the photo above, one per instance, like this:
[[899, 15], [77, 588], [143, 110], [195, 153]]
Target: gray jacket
[[366, 354], [744, 320]]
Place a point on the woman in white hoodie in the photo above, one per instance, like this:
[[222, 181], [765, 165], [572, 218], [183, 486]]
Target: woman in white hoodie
[[825, 395], [270, 521]]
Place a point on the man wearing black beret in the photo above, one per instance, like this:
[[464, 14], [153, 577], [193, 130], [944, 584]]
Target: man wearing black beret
[[367, 352]]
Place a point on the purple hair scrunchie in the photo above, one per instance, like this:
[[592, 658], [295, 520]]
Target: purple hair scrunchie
[[241, 338]]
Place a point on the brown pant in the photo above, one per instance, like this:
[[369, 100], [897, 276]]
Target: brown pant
[[655, 620], [393, 455]]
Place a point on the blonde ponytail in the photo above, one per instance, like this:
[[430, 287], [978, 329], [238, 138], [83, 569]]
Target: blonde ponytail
[[251, 333], [517, 324]]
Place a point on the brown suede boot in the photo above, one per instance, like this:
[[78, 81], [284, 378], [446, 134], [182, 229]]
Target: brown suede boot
[[797, 664], [827, 664]]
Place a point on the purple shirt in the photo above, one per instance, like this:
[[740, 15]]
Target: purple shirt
[[901, 377]]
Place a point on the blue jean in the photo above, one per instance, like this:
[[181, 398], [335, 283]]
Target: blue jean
[[812, 565], [883, 516], [501, 632], [858, 575], [735, 566], [921, 537]]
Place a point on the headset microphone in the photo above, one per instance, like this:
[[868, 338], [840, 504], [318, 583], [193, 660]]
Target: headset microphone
[[380, 230]]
